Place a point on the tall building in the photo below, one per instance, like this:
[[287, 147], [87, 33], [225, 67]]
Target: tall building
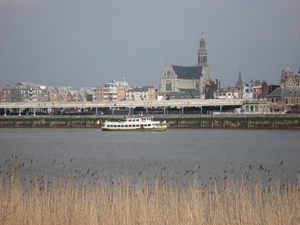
[[186, 78]]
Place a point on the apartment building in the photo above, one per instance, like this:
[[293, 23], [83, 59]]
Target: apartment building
[[25, 92], [113, 91]]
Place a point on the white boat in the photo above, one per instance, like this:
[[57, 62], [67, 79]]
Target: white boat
[[134, 124]]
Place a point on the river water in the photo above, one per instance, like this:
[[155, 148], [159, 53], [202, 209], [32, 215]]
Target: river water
[[212, 151]]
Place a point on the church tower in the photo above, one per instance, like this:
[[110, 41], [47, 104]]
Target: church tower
[[202, 53]]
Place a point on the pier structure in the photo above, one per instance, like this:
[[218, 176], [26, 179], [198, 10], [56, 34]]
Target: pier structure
[[112, 106]]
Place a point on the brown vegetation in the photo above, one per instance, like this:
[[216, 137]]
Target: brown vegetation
[[159, 200]]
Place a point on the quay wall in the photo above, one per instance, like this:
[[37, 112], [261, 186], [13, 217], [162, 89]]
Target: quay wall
[[205, 121]]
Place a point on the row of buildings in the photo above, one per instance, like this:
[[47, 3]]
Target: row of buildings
[[113, 91], [176, 82]]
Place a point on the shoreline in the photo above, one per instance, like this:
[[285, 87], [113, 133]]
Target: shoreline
[[199, 121]]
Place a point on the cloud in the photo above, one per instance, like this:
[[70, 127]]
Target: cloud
[[20, 2]]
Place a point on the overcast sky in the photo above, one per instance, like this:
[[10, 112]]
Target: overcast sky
[[90, 42]]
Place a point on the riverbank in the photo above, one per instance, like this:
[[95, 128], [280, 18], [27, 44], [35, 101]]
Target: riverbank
[[205, 121], [158, 200]]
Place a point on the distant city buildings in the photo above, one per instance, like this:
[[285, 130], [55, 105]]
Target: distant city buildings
[[185, 80], [287, 96], [175, 82], [25, 92]]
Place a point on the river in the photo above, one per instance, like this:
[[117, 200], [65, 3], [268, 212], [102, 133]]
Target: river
[[211, 151]]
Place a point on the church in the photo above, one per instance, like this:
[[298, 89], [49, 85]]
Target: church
[[186, 78]]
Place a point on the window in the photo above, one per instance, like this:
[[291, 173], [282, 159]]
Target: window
[[168, 73], [286, 101], [168, 86]]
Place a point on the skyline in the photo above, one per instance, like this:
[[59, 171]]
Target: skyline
[[58, 43]]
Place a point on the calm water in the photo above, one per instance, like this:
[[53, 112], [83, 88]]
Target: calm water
[[55, 151]]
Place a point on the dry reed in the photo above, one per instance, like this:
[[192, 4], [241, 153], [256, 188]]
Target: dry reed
[[159, 200]]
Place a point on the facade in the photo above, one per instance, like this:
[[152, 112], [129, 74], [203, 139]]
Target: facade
[[285, 99], [186, 78], [256, 106], [228, 93], [99, 93], [72, 96], [63, 92], [25, 92], [87, 94], [257, 89], [52, 94], [252, 90], [288, 79], [146, 93], [114, 91]]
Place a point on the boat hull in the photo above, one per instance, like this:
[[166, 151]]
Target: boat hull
[[138, 129]]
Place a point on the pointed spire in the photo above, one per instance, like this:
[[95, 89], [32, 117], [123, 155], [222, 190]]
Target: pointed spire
[[239, 83]]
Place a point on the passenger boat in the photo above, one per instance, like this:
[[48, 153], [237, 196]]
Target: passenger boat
[[134, 124]]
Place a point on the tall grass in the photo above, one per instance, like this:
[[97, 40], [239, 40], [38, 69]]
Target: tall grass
[[161, 199]]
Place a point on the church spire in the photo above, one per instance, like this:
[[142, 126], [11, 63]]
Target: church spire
[[239, 83], [202, 53]]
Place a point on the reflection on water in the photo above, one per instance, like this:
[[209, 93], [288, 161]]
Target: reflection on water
[[206, 153]]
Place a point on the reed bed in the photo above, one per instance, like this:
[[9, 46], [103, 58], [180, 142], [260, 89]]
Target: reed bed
[[160, 199]]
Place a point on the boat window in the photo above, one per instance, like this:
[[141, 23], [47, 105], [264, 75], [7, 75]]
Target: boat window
[[129, 120], [126, 125], [129, 125], [149, 125], [133, 120], [118, 125], [115, 125]]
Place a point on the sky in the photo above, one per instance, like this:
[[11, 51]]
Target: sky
[[86, 43]]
